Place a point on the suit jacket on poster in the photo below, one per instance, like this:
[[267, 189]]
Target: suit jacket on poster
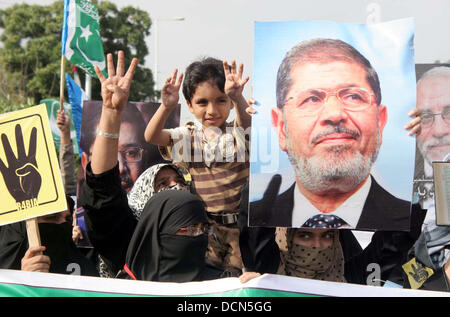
[[382, 211]]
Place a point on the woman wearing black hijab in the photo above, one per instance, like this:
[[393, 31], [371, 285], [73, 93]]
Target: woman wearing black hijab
[[170, 241], [60, 255]]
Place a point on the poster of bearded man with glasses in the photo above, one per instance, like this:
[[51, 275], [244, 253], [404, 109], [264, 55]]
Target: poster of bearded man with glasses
[[433, 143], [134, 154], [336, 98]]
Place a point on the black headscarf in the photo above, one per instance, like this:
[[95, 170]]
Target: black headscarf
[[156, 253]]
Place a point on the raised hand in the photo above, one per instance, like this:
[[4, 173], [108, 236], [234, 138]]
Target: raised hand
[[234, 84], [170, 91], [63, 121], [22, 177], [116, 88]]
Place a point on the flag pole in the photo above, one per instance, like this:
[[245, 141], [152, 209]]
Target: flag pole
[[88, 86], [61, 84], [63, 52]]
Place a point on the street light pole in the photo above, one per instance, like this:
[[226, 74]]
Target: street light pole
[[156, 45], [156, 56]]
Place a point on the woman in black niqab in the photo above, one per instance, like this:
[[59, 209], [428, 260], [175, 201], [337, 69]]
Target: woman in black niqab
[[64, 255], [158, 252]]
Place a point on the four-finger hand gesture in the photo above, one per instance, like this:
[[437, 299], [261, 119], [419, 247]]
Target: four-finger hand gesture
[[116, 88], [170, 91], [234, 84], [22, 177]]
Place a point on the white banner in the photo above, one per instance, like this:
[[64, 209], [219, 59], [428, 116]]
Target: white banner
[[20, 283]]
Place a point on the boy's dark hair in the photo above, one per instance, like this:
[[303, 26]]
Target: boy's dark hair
[[207, 69]]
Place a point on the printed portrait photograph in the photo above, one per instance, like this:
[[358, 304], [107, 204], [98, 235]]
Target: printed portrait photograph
[[433, 143], [329, 148], [134, 155]]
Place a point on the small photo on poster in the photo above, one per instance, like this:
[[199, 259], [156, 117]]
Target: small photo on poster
[[433, 142], [135, 117]]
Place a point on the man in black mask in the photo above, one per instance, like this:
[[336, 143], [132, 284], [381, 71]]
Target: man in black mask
[[58, 253]]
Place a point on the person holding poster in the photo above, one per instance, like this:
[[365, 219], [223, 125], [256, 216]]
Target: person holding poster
[[329, 119], [57, 252], [67, 165], [66, 154]]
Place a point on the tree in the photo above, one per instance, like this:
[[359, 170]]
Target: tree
[[126, 30], [31, 54]]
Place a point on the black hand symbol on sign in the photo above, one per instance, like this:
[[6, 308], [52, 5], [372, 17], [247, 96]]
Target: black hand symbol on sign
[[419, 274], [22, 177]]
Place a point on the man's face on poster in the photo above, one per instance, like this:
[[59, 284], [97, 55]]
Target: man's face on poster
[[433, 99], [130, 155], [330, 125]]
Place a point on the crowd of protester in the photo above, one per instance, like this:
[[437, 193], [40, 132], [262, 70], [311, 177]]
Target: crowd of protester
[[187, 219]]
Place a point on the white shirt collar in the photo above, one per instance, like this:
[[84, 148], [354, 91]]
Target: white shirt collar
[[350, 210]]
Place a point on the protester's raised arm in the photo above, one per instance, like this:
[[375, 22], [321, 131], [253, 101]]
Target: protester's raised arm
[[63, 123], [234, 86], [115, 92], [66, 154], [155, 133]]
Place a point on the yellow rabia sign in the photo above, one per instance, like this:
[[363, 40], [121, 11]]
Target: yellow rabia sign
[[30, 179], [417, 273]]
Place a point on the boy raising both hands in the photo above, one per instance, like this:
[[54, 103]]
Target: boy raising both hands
[[215, 154]]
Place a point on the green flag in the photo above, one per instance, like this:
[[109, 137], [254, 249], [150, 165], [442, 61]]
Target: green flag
[[81, 40]]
